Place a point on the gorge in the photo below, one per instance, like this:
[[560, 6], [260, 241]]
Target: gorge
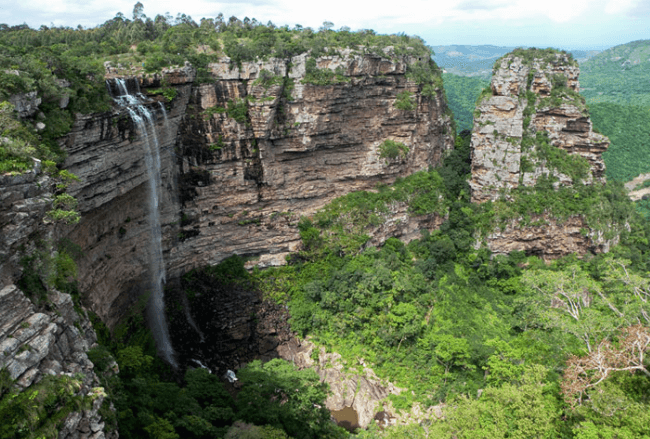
[[324, 195]]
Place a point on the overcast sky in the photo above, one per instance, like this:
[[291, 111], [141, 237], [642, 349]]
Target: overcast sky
[[540, 23]]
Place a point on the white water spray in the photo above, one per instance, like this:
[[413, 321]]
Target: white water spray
[[146, 127]]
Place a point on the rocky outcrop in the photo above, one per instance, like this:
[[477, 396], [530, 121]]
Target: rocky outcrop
[[531, 110], [243, 157], [49, 340], [530, 97], [37, 343], [24, 200], [551, 239], [26, 104], [360, 390]]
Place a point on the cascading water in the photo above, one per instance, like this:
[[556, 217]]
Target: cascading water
[[145, 123]]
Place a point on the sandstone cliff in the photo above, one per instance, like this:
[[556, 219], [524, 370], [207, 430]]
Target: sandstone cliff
[[244, 156], [531, 113]]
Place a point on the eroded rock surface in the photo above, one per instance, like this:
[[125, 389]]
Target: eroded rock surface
[[500, 125], [533, 101], [36, 343], [24, 200], [363, 391], [242, 160]]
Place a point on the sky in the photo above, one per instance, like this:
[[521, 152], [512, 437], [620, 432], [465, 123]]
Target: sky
[[565, 24]]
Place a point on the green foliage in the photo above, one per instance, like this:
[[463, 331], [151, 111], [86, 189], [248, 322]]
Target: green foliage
[[391, 149], [556, 159], [520, 410], [37, 411], [548, 56], [605, 208], [277, 394], [210, 111], [266, 79], [316, 76], [626, 126], [462, 94], [238, 110], [618, 75], [64, 216], [168, 92], [342, 225], [405, 101]]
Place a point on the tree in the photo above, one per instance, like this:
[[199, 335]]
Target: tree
[[583, 373], [521, 411], [138, 11], [277, 394], [566, 299]]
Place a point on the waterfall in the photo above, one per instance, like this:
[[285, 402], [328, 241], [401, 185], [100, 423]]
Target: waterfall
[[146, 127]]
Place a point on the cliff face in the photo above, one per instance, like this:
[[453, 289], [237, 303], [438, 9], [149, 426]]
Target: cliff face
[[51, 339], [532, 109], [242, 158]]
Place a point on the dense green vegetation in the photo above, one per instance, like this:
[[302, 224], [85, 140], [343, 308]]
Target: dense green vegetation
[[618, 75], [615, 85], [462, 93], [528, 55], [445, 319], [37, 412], [628, 128]]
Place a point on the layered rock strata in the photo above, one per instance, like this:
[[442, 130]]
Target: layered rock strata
[[510, 113], [531, 102], [244, 156]]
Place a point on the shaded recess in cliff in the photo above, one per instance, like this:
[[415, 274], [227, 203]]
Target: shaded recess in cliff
[[532, 130], [245, 157]]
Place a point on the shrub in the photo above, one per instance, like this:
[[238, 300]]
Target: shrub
[[405, 101], [390, 149]]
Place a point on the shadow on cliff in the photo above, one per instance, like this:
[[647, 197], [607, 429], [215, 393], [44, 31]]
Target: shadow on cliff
[[218, 319]]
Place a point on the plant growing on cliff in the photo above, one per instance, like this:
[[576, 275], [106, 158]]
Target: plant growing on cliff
[[38, 411], [169, 93], [64, 210], [391, 149], [529, 55], [316, 76], [238, 110], [405, 101], [266, 79]]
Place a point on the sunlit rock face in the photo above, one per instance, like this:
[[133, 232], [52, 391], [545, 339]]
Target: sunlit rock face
[[242, 159], [522, 103], [500, 125]]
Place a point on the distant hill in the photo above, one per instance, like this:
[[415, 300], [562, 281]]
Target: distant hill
[[619, 75], [616, 84], [463, 60]]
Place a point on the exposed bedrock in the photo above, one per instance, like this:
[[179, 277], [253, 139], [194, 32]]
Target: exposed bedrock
[[242, 160], [528, 99]]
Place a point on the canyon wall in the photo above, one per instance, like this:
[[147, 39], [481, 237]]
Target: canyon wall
[[532, 104], [244, 155]]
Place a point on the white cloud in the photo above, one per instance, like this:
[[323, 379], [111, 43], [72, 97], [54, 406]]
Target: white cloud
[[488, 20]]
